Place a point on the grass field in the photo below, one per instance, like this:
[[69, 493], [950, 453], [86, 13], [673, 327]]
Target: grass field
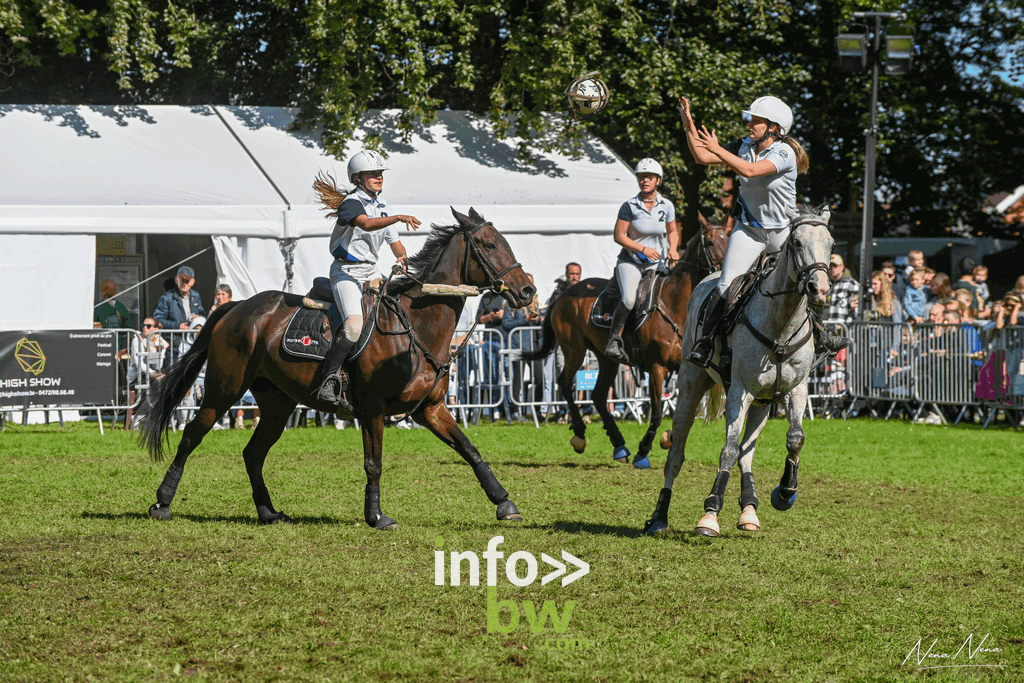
[[901, 534]]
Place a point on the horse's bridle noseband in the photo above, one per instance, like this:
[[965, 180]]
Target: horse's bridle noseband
[[803, 275], [496, 285]]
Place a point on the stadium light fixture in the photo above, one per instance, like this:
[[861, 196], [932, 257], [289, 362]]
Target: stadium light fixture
[[853, 51], [860, 51], [899, 50]]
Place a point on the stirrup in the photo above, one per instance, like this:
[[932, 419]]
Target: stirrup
[[702, 352], [332, 391], [615, 349]]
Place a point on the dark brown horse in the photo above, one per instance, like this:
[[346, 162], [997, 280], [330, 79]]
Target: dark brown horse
[[404, 369], [568, 323]]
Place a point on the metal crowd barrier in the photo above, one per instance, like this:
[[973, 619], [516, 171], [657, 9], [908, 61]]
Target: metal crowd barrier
[[931, 365], [827, 386], [888, 365]]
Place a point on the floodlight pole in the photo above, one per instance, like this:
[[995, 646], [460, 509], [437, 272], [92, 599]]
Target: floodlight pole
[[870, 147]]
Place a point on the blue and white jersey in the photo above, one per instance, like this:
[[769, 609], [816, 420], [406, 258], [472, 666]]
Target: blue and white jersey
[[766, 201], [648, 227], [351, 243]]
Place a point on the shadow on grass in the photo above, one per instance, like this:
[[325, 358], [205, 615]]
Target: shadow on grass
[[573, 527], [566, 465], [234, 519]]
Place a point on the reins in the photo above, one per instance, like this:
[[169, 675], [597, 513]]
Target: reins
[[779, 353], [495, 285]]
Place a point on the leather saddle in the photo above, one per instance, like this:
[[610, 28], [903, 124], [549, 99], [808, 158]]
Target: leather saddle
[[314, 325], [647, 296], [736, 297]]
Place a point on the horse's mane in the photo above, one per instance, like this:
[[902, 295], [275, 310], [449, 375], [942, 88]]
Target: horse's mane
[[420, 263]]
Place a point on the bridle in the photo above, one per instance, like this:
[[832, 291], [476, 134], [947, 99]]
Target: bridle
[[704, 259], [496, 284], [803, 284]]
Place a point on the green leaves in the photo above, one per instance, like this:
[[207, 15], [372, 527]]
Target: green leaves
[[944, 133]]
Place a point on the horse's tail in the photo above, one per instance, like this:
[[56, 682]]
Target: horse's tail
[[547, 339], [165, 394], [715, 405]]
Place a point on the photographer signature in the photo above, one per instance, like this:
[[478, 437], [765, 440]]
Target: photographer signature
[[968, 645]]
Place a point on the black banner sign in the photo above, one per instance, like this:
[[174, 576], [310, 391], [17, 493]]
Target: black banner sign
[[61, 367]]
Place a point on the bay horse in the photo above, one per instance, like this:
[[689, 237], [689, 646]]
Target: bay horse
[[568, 323], [404, 368], [772, 354]]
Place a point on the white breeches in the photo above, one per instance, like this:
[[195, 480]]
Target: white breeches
[[628, 275], [745, 245], [347, 284]]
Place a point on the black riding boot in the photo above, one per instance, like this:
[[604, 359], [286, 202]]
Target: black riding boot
[[704, 348], [332, 390], [615, 349], [824, 339]]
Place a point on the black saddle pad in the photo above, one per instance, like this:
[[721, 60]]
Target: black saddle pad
[[646, 299], [308, 334], [311, 331]]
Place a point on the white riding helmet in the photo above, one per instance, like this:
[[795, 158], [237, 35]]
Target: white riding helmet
[[649, 166], [366, 160], [774, 110]]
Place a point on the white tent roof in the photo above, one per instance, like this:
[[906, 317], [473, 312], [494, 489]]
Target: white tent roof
[[240, 171], [177, 170]]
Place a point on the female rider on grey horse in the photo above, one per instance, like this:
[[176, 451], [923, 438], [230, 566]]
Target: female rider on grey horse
[[767, 163]]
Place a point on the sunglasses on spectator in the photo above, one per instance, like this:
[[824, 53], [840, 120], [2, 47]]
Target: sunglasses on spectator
[[147, 325]]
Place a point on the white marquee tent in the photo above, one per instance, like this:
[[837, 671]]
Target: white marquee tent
[[242, 176]]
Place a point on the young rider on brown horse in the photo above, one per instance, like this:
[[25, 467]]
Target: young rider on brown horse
[[364, 223], [640, 228]]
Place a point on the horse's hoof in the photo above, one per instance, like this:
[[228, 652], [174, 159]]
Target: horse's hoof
[[748, 520], [385, 523], [508, 512], [579, 444], [708, 525], [276, 518], [666, 440], [161, 513], [780, 503], [620, 454], [655, 526], [641, 463]]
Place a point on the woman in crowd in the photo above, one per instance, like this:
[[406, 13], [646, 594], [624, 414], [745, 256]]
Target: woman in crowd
[[940, 287], [221, 296], [884, 304]]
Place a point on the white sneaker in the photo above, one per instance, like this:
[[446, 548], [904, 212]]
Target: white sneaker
[[255, 422]]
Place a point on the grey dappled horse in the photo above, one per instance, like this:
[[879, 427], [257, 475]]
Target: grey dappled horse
[[772, 352]]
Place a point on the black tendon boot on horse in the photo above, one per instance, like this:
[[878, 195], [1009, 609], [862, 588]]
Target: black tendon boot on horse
[[332, 390], [825, 341], [704, 348], [615, 349]]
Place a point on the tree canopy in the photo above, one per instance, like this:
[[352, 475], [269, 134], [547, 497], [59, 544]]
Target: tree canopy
[[947, 132]]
